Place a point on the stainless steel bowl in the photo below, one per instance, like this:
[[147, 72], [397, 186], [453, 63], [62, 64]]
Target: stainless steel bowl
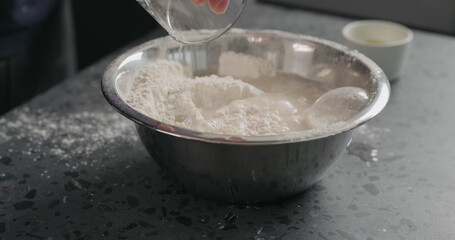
[[256, 168]]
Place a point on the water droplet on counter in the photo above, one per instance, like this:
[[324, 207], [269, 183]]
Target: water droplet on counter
[[364, 151]]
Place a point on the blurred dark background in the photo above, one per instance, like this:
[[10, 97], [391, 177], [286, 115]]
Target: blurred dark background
[[43, 42], [103, 26]]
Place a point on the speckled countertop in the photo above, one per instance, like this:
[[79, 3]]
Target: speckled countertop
[[72, 168]]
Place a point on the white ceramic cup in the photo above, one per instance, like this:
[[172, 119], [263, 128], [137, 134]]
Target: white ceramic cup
[[386, 43]]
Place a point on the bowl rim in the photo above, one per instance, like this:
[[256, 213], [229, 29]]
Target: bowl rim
[[376, 105]]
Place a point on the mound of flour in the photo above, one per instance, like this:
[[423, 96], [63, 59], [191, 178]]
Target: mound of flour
[[166, 91]]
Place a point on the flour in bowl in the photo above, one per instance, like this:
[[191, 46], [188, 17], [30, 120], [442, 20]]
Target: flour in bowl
[[262, 103]]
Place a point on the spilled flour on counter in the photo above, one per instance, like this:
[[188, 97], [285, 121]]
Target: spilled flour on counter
[[262, 103]]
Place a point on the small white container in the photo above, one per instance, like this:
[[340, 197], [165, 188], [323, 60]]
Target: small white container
[[386, 43]]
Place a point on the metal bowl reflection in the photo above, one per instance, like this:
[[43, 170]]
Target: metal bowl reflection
[[256, 168]]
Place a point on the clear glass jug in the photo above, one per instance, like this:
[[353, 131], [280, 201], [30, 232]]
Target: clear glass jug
[[181, 18]]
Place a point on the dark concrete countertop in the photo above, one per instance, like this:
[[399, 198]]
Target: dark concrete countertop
[[73, 168]]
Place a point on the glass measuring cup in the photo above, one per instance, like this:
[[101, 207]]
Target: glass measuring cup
[[181, 18]]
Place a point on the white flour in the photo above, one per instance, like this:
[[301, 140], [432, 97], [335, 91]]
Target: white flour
[[261, 104]]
